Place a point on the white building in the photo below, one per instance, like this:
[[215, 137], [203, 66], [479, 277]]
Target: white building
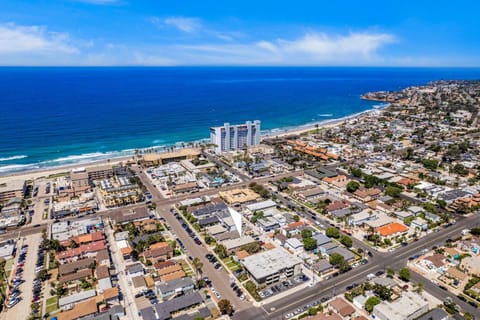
[[271, 266], [235, 137], [409, 306]]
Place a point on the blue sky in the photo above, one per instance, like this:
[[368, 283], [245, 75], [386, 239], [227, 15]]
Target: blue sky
[[261, 32]]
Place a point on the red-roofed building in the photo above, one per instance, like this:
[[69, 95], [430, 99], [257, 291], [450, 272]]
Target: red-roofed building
[[391, 229], [89, 237], [339, 181], [293, 228], [337, 205], [83, 251], [342, 307]]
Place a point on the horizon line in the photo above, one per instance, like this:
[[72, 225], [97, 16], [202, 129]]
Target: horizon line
[[239, 66]]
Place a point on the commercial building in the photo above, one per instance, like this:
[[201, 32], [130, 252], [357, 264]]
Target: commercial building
[[271, 266], [235, 137], [155, 159], [409, 306]]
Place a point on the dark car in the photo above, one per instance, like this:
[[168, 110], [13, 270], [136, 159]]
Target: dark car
[[443, 288], [462, 298], [473, 304], [379, 273]]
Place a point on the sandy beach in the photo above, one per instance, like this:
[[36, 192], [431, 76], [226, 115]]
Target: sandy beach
[[321, 125]]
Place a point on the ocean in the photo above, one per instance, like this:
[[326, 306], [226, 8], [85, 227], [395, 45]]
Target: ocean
[[60, 115]]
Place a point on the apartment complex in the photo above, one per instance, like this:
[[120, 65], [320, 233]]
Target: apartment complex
[[271, 266], [235, 137]]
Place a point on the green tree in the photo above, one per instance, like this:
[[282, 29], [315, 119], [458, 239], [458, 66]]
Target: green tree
[[344, 266], [352, 186], [312, 311], [198, 265], [336, 259], [404, 274], [42, 275], [252, 248], [390, 272], [225, 307], [475, 231], [460, 169], [468, 316], [356, 172], [383, 292], [306, 233], [372, 302], [393, 191], [221, 251], [346, 241], [332, 232], [309, 244], [296, 218], [430, 164]]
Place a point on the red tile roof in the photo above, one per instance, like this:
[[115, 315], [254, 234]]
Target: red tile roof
[[81, 250], [391, 228]]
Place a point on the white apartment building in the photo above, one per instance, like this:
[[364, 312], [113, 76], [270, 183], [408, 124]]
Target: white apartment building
[[235, 137]]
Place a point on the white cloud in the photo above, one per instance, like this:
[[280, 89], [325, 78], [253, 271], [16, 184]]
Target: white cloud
[[309, 49], [185, 24], [33, 39], [267, 46], [323, 45], [36, 45]]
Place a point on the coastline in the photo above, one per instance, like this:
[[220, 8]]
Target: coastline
[[273, 133], [325, 124]]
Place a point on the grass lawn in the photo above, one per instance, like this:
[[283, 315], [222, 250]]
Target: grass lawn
[[231, 264], [50, 308], [52, 300], [8, 267], [186, 268]]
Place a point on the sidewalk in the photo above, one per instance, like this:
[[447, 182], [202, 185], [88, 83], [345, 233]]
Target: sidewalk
[[128, 299]]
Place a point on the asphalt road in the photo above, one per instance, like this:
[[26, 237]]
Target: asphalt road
[[380, 261], [219, 278]]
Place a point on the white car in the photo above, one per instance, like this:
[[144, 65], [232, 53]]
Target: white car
[[12, 303], [217, 295]]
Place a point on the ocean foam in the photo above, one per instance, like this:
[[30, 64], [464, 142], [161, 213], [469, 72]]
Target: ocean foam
[[13, 158], [18, 167]]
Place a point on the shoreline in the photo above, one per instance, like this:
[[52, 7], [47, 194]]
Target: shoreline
[[273, 133]]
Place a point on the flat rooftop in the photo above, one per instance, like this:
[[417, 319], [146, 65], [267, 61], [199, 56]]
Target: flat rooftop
[[263, 264]]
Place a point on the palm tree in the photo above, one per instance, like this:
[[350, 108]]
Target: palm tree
[[198, 265]]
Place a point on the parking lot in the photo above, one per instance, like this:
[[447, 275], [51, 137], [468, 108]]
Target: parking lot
[[282, 286], [21, 309]]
